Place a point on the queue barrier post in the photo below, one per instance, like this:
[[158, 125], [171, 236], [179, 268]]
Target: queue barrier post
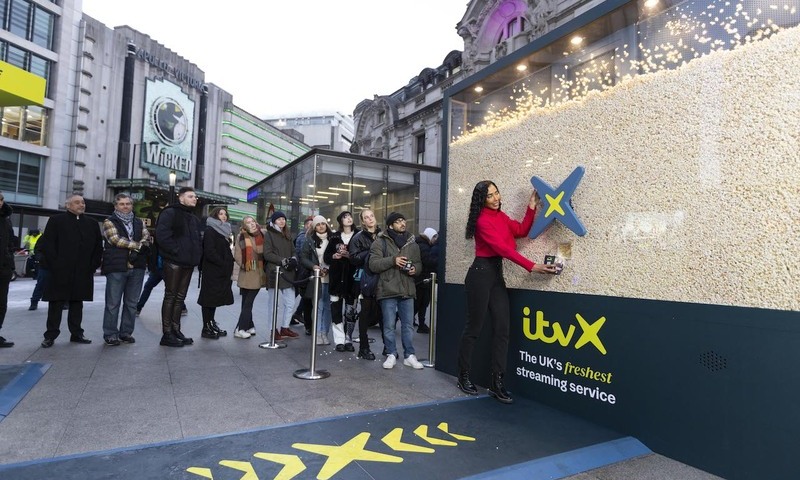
[[272, 344], [312, 373], [431, 362]]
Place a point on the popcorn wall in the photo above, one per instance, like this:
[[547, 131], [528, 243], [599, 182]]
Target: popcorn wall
[[692, 184]]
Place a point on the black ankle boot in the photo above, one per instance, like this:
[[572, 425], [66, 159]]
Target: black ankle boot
[[465, 384], [216, 328], [498, 390], [209, 332], [170, 340], [183, 338]]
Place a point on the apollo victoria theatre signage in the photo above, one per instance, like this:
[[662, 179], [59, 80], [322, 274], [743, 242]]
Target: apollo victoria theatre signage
[[168, 131]]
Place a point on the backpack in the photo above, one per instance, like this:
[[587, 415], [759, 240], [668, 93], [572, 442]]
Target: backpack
[[368, 280]]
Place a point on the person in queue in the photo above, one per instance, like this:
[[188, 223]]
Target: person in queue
[[217, 271], [495, 237], [180, 244], [6, 261], [341, 284], [72, 248], [394, 256], [279, 252], [429, 251], [249, 255], [312, 258], [370, 310]]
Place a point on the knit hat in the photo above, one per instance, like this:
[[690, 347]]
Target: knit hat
[[341, 215], [278, 214], [430, 233], [393, 217], [317, 220]]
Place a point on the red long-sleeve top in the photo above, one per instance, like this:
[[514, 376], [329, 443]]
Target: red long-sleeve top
[[495, 235]]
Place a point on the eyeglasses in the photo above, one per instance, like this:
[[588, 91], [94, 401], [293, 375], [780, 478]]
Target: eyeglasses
[[400, 220]]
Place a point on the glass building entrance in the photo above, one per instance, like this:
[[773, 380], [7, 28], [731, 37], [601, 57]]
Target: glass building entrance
[[324, 182]]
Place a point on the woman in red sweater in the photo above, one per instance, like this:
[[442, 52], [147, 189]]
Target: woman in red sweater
[[495, 235]]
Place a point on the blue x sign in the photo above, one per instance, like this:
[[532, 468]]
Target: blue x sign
[[557, 204]]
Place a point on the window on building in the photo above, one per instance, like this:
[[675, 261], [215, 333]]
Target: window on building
[[514, 27], [28, 124], [42, 31], [381, 117], [29, 21], [18, 17], [419, 140], [20, 172]]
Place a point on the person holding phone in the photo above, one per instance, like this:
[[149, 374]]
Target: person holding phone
[[495, 237]]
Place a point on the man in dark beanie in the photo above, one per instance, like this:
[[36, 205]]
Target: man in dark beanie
[[394, 256]]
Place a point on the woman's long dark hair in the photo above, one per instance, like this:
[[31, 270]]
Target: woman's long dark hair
[[478, 201]]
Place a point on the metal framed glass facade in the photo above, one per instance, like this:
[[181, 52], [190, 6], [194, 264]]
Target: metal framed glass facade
[[326, 183]]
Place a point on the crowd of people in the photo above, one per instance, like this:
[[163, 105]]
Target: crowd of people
[[368, 275]]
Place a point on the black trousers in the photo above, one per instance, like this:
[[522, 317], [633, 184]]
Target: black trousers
[[370, 315], [422, 301], [176, 284], [246, 315], [5, 280], [74, 318], [486, 297]]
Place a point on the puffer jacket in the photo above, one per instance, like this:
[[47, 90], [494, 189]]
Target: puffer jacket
[[393, 282], [277, 248], [359, 246]]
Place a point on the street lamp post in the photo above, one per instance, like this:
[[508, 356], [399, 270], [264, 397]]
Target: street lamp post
[[172, 177]]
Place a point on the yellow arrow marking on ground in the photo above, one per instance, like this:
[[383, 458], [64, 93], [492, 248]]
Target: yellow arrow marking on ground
[[292, 464], [444, 427], [422, 431], [555, 204], [203, 472], [341, 456], [246, 467], [394, 440]]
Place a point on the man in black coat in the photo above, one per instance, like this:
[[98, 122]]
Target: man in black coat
[[180, 244], [71, 248], [6, 261]]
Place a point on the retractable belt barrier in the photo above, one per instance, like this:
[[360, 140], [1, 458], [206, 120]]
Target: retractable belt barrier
[[431, 362], [272, 344], [312, 373]]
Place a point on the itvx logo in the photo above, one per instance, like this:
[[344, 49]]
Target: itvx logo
[[557, 204], [548, 332]]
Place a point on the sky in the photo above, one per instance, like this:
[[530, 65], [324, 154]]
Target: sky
[[289, 58]]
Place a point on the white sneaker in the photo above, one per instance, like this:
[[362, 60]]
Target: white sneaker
[[390, 361], [320, 341], [241, 334], [325, 340], [412, 362], [252, 331]]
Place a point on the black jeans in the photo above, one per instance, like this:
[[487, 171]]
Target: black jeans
[[246, 315], [74, 318], [486, 296], [176, 284], [422, 301], [369, 316]]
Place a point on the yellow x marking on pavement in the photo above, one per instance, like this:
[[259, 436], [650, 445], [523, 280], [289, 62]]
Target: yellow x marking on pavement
[[341, 456]]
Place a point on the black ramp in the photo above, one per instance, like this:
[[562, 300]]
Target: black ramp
[[449, 440]]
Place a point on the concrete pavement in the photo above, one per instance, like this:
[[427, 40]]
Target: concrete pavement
[[97, 397]]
